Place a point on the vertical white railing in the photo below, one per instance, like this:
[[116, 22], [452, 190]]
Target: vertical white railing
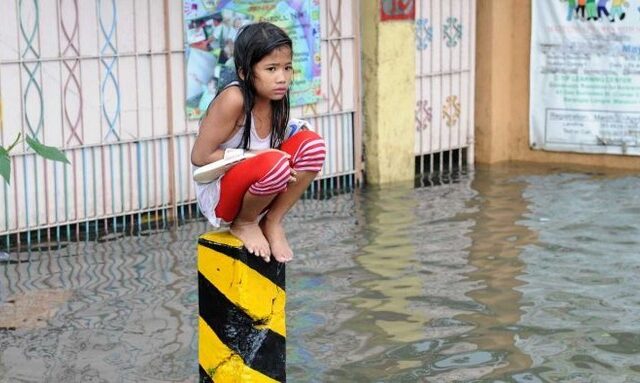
[[104, 81], [445, 82]]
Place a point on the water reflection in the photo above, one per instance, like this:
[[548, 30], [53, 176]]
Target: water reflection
[[581, 277], [497, 241], [102, 312], [384, 304], [406, 282], [507, 275], [451, 283]]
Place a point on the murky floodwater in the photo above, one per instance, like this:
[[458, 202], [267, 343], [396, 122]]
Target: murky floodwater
[[510, 275]]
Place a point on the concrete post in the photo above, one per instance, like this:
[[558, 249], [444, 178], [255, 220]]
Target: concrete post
[[388, 72], [241, 323]]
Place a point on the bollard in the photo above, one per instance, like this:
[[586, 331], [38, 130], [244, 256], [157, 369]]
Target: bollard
[[241, 323]]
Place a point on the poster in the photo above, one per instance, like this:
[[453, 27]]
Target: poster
[[211, 27], [585, 76]]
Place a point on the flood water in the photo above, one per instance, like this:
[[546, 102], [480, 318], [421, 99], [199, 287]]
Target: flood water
[[509, 274]]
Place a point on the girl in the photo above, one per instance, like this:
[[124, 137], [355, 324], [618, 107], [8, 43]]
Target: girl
[[252, 114]]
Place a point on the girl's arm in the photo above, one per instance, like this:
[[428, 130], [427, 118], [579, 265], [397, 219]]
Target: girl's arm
[[217, 126]]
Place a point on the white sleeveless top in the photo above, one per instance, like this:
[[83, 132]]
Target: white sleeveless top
[[208, 195]]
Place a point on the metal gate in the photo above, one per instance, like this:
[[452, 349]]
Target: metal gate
[[445, 83], [104, 81]]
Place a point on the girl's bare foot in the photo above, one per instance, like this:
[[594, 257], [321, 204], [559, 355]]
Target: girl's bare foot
[[251, 235], [274, 232]]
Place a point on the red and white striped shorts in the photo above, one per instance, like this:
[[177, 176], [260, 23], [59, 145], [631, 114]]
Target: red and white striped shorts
[[269, 172]]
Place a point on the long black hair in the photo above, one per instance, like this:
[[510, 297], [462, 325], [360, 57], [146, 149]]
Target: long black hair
[[254, 42]]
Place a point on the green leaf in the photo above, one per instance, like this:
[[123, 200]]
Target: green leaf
[[5, 165], [48, 152], [15, 142]]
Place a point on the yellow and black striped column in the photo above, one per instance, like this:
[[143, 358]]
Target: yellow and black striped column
[[242, 299]]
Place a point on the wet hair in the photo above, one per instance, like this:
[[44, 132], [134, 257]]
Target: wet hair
[[254, 42]]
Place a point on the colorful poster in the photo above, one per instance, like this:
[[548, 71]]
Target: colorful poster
[[211, 27], [585, 76]]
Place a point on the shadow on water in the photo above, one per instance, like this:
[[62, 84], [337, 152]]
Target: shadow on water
[[508, 274]]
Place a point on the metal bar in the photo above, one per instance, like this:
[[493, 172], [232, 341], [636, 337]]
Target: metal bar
[[357, 102], [140, 183], [131, 177], [341, 38], [459, 144], [188, 139], [440, 166], [188, 182], [348, 151], [147, 175], [100, 63], [169, 78], [417, 110], [5, 187], [112, 56], [162, 180], [450, 92], [153, 121], [22, 115], [431, 98], [95, 190], [137, 98], [335, 156], [187, 133], [42, 160], [122, 178], [55, 165], [133, 54], [471, 85], [419, 101], [85, 192], [328, 114], [180, 197]]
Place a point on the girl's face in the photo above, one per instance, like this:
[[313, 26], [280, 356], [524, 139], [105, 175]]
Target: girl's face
[[272, 75]]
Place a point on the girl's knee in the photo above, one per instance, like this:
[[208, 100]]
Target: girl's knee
[[310, 155], [292, 144], [275, 176], [269, 158], [308, 134]]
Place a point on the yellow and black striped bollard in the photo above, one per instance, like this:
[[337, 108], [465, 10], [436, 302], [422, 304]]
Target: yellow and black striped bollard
[[242, 334]]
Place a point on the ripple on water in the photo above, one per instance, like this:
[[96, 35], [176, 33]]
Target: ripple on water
[[581, 275], [507, 275]]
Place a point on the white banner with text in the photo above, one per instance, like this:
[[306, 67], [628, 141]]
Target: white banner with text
[[585, 76]]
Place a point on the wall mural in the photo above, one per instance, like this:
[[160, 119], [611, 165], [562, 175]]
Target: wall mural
[[211, 27]]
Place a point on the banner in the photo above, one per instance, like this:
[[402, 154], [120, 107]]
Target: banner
[[211, 27], [585, 76]]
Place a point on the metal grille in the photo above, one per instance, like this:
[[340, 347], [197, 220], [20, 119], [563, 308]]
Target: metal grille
[[445, 61], [104, 80]]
